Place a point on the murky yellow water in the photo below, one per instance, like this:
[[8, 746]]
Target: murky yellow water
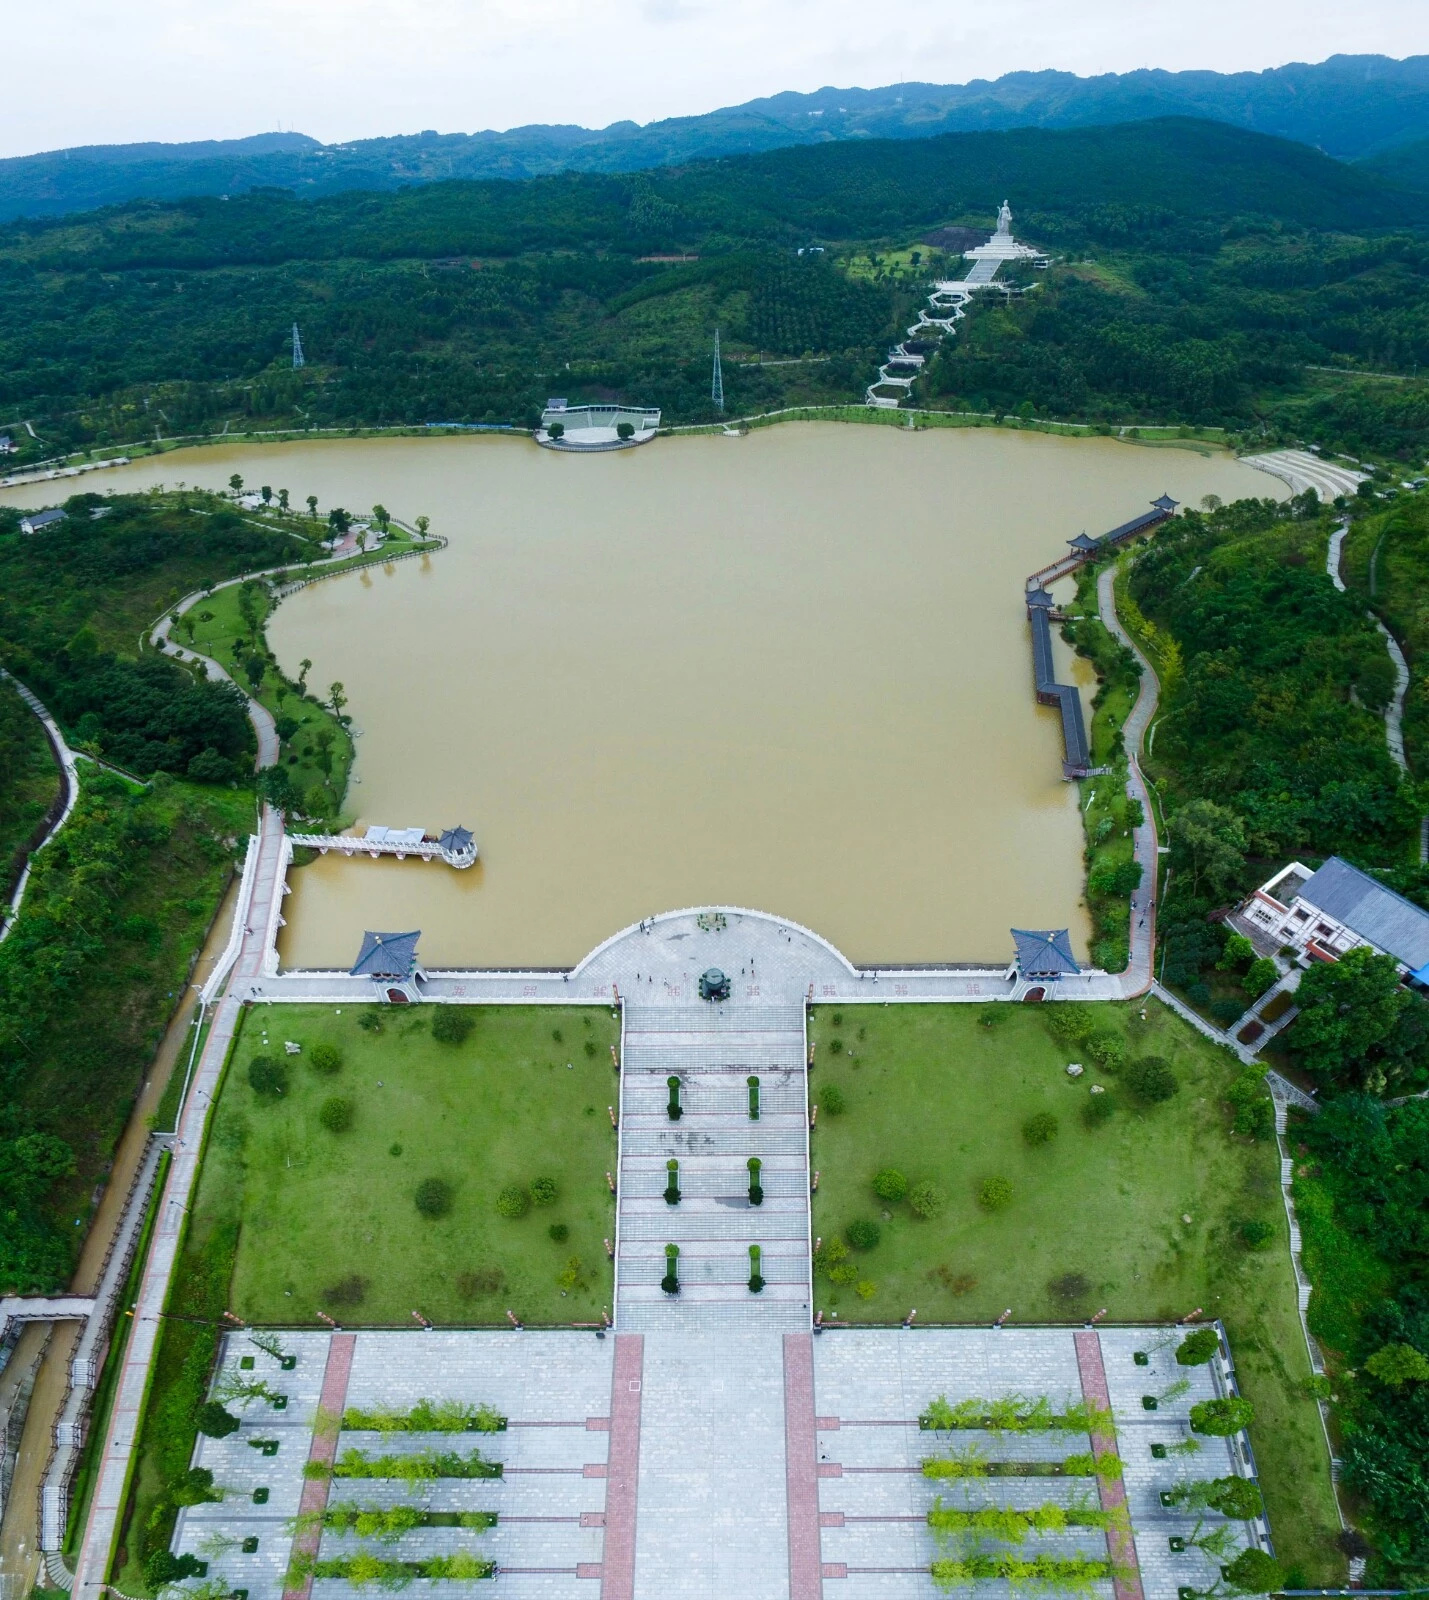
[[789, 671]]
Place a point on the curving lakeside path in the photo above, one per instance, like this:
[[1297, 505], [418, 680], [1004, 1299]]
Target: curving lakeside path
[[1138, 974]]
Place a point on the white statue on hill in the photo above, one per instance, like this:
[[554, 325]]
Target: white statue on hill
[[1004, 220]]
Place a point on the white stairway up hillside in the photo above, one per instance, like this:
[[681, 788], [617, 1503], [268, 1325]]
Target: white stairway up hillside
[[713, 1050]]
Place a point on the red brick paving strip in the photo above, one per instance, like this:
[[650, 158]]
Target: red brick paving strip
[[617, 1571], [1120, 1545], [806, 1572], [324, 1448]]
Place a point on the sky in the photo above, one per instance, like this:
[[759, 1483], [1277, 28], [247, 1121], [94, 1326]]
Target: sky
[[93, 72]]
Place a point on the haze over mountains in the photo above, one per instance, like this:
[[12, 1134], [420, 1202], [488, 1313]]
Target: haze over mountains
[[1355, 108]]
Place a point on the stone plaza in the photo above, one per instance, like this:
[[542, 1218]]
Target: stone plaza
[[714, 1462]]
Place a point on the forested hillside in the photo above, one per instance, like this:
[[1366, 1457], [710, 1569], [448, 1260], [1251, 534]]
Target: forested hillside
[[1348, 106], [1202, 275]]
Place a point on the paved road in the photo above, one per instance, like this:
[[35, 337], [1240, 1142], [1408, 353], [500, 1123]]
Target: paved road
[[70, 778]]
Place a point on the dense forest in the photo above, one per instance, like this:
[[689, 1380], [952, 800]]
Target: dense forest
[[1203, 277], [1271, 746], [120, 900]]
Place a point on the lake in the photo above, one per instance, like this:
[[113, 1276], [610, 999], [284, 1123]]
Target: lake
[[788, 671]]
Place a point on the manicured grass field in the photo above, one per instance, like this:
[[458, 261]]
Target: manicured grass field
[[523, 1097], [1138, 1215]]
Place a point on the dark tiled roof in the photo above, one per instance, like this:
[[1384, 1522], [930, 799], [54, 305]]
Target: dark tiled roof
[[1375, 913], [1084, 541], [1164, 502], [387, 955], [1044, 953], [456, 839], [1039, 600]]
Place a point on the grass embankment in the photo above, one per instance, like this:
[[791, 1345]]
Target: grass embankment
[[120, 903], [1097, 1215], [329, 1220], [29, 784]]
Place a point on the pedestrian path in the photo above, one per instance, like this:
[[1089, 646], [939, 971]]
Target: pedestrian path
[[712, 1050]]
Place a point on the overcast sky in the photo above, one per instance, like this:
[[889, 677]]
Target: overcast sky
[[93, 71]]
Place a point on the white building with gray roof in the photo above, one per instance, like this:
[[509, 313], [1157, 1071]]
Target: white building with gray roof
[[1323, 915]]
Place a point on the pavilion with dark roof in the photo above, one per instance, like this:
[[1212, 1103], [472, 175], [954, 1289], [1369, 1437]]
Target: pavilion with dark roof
[[390, 960], [458, 846], [1044, 953], [1085, 543]]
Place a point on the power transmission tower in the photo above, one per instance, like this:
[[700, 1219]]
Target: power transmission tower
[[717, 383], [297, 349]]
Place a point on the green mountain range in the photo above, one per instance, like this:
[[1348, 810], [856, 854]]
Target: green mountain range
[[1351, 107]]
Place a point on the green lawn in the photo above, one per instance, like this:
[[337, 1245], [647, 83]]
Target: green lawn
[[1097, 1217], [522, 1098]]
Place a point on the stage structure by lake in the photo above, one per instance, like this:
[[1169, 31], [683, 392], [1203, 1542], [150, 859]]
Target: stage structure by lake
[[568, 427]]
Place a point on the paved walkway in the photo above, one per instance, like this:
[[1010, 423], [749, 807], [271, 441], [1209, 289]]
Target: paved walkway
[[70, 779], [252, 914], [1394, 711], [1138, 975]]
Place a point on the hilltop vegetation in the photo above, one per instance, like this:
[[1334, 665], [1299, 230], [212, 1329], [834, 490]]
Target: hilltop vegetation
[[1204, 273]]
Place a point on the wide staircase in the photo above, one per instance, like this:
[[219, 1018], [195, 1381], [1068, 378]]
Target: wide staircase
[[713, 1050]]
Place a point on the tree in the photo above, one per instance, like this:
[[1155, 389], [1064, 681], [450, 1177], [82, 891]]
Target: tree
[[304, 668], [276, 787], [382, 517], [339, 521], [423, 523], [236, 483], [1262, 974], [926, 1200], [1041, 1129], [325, 1058], [557, 430], [625, 430], [267, 1077], [254, 669], [214, 1420], [1151, 1080], [267, 492], [433, 1197], [1255, 1572], [337, 698], [1208, 842], [1197, 1348], [282, 499], [1239, 952], [1348, 1008], [1397, 1364], [890, 1184], [312, 505], [336, 1114], [1221, 1418]]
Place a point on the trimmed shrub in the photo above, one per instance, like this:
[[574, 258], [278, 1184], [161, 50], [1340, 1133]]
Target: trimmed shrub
[[1197, 1348], [1097, 1109], [267, 1078], [1041, 1129], [865, 1289], [863, 1234], [558, 1231], [543, 1191], [513, 1202], [1220, 1418], [1068, 1021], [1108, 1050], [452, 1024], [890, 1185], [994, 1193], [193, 1488], [836, 1046], [214, 1420], [325, 1058], [164, 1567], [831, 1100], [1151, 1080], [927, 1200], [336, 1114], [433, 1197]]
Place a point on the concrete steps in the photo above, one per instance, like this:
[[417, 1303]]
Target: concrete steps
[[713, 1050]]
